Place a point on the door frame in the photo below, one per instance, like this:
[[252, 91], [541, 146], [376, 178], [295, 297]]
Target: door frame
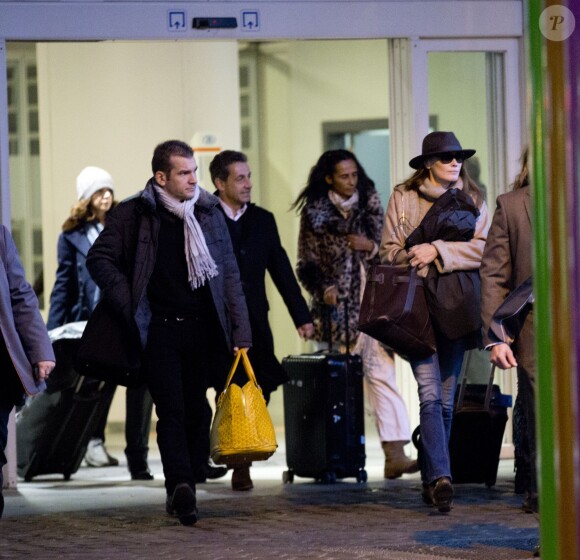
[[409, 123], [506, 96]]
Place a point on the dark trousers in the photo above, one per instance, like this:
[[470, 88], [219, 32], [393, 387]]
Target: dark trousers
[[526, 398], [5, 409], [11, 392], [138, 408], [176, 363], [523, 350]]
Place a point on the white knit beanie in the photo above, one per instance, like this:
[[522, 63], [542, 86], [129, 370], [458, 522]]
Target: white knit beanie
[[92, 179]]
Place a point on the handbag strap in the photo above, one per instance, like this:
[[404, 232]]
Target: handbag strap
[[243, 354], [414, 281]]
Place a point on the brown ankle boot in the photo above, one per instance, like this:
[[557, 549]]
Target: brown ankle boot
[[396, 462]]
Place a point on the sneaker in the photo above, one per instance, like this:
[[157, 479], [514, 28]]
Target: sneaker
[[96, 455], [442, 494], [183, 504]]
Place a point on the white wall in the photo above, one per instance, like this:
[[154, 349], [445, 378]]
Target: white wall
[[108, 104]]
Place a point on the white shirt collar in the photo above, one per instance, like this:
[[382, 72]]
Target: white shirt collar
[[232, 214]]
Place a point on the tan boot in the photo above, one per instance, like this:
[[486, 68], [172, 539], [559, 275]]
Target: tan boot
[[396, 462]]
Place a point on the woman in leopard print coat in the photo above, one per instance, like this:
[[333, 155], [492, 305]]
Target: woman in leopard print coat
[[339, 238], [341, 221]]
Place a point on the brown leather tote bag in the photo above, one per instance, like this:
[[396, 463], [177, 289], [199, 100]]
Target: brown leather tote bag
[[394, 311]]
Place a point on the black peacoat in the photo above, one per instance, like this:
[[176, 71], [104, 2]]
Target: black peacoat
[[258, 250]]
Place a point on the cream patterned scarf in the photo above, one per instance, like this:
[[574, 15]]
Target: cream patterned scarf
[[200, 264], [343, 205]]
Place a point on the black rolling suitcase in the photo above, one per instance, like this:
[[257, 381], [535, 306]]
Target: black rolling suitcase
[[477, 431], [53, 428], [324, 417]]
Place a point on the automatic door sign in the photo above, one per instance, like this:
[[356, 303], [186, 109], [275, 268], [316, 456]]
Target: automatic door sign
[[176, 20], [250, 20]]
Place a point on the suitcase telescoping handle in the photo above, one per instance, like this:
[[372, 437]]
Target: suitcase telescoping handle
[[328, 323], [462, 387]]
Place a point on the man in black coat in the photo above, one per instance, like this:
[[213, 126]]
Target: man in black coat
[[257, 248]]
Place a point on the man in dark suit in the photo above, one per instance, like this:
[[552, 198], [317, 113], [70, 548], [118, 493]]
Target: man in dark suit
[[506, 264], [257, 248]]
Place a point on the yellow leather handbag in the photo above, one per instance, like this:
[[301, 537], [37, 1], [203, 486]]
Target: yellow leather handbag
[[242, 430]]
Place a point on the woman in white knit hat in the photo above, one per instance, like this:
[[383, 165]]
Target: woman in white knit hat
[[73, 298]]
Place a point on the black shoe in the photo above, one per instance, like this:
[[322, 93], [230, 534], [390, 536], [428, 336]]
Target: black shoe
[[241, 479], [530, 504], [537, 551], [209, 472], [142, 475], [183, 504], [426, 494], [442, 494]]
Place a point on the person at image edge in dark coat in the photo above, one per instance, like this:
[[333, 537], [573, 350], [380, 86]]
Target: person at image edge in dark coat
[[26, 354]]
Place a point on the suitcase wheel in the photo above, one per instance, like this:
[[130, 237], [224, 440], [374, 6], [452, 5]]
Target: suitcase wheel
[[66, 475], [288, 477], [361, 476], [328, 477]]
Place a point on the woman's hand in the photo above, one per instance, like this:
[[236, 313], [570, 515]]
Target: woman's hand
[[422, 255], [331, 296], [359, 242]]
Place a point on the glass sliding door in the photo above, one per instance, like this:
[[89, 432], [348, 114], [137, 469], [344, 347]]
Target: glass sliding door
[[472, 87]]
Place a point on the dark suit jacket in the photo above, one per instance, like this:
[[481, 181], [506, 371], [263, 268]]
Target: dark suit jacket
[[73, 294], [260, 250], [507, 262]]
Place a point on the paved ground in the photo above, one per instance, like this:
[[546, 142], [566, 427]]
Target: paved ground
[[99, 514]]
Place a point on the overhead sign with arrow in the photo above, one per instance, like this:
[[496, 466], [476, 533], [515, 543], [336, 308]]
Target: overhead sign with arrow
[[176, 20], [250, 20]]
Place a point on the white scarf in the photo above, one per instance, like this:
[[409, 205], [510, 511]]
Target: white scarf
[[200, 264], [343, 205]]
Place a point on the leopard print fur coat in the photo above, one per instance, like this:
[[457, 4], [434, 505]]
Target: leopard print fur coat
[[325, 260]]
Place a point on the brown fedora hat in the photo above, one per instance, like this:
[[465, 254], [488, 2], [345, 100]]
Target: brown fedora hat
[[436, 143]]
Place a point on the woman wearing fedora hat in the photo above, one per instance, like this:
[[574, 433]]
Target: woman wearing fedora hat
[[439, 171]]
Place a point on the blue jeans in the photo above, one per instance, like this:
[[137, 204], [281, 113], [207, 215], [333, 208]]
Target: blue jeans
[[437, 380]]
